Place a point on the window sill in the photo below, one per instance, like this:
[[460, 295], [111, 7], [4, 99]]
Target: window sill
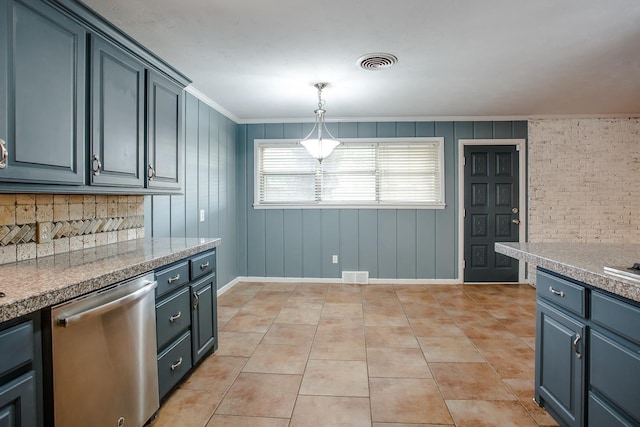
[[352, 206]]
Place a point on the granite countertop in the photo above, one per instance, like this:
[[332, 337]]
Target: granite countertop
[[35, 284], [582, 261]]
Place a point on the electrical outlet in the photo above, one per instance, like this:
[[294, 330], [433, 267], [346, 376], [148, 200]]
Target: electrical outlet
[[334, 259], [43, 232], [201, 215]]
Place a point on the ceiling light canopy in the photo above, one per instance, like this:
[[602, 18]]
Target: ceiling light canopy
[[319, 146]]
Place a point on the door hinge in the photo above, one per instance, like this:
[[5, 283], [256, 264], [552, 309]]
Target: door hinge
[[464, 213], [464, 263], [464, 160]]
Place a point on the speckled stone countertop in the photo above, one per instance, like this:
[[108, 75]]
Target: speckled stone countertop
[[582, 261], [39, 283]]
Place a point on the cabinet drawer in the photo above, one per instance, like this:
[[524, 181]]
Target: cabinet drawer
[[602, 415], [203, 264], [617, 316], [172, 278], [561, 292], [18, 401], [174, 363], [615, 372], [19, 340], [173, 315]]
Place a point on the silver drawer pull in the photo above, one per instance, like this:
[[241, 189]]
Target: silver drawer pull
[[4, 153], [559, 293], [575, 346], [203, 266], [151, 172], [173, 279], [97, 166], [175, 317], [175, 365]]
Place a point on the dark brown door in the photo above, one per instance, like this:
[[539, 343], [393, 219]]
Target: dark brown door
[[491, 211]]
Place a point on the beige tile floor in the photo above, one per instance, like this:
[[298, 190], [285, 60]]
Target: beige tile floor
[[293, 355]]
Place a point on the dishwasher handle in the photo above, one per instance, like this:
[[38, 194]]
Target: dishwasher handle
[[106, 307]]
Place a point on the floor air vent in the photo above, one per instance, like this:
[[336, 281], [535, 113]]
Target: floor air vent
[[355, 277]]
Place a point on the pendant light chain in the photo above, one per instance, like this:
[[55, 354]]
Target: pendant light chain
[[320, 86]]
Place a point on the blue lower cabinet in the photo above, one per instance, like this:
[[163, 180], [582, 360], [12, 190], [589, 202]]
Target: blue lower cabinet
[[204, 304], [174, 363], [18, 402], [173, 316], [577, 327], [21, 402], [560, 364], [601, 414], [186, 317]]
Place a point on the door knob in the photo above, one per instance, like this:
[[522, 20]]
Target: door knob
[[516, 221]]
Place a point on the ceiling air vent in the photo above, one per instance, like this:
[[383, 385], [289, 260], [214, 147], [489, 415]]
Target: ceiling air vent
[[377, 61]]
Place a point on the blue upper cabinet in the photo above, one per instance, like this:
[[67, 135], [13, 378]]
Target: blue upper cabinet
[[117, 116], [42, 95], [164, 133], [83, 106]]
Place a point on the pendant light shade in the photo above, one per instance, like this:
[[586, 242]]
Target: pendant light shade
[[319, 146]]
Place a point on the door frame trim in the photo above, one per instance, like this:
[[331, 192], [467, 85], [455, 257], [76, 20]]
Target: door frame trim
[[521, 147]]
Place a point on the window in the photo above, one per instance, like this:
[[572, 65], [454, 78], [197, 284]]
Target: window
[[375, 173]]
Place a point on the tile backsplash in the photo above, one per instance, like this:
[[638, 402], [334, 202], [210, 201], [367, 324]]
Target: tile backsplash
[[75, 221]]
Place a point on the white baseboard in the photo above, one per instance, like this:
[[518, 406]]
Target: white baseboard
[[415, 282], [257, 279], [230, 285]]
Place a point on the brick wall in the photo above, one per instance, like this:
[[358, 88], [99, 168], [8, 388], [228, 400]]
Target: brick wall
[[584, 180], [76, 222]]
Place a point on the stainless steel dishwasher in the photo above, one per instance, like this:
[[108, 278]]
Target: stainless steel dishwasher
[[104, 367]]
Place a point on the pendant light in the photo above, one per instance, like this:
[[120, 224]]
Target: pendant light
[[318, 146]]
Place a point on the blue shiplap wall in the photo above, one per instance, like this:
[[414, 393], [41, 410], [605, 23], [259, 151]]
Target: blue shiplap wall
[[209, 184], [407, 244]]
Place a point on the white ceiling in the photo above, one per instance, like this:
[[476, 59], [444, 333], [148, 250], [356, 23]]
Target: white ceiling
[[257, 60]]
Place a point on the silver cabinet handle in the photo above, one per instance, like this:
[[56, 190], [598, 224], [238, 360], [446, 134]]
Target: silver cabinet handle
[[4, 153], [175, 317], [97, 166], [575, 346], [151, 172], [559, 293], [516, 221], [197, 298], [175, 365], [173, 279], [203, 266]]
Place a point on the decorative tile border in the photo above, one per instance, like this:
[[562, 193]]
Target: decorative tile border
[[15, 234], [77, 221]]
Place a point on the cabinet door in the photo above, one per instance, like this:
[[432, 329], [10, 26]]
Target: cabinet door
[[42, 94], [560, 364], [164, 133], [117, 116], [18, 402], [204, 317], [614, 371]]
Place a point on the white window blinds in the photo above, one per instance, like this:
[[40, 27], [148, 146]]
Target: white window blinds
[[395, 173], [410, 173]]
